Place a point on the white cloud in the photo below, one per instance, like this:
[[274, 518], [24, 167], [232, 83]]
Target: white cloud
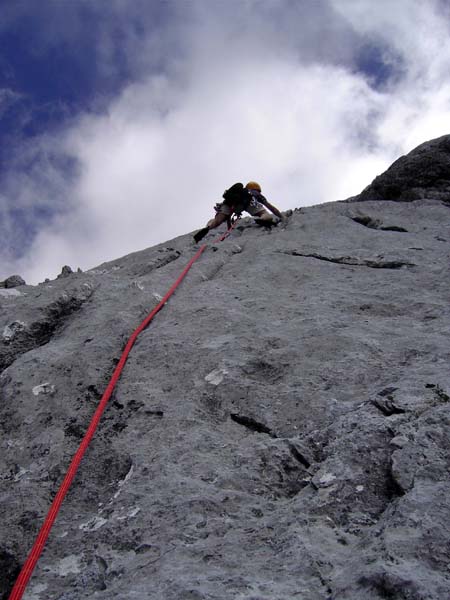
[[245, 99], [415, 35]]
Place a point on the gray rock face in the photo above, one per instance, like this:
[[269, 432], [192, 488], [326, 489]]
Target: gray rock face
[[281, 430], [423, 173]]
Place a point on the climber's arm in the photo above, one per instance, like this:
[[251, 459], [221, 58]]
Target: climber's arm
[[273, 209]]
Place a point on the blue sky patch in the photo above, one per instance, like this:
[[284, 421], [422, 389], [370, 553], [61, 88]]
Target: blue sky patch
[[378, 65]]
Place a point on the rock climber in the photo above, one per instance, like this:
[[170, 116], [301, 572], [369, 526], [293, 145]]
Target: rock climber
[[237, 199]]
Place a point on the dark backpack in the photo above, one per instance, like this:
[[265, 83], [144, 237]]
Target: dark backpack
[[237, 197]]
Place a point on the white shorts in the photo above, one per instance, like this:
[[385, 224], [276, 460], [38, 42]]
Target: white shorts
[[253, 209]]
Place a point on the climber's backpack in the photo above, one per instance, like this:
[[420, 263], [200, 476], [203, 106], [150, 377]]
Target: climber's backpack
[[237, 197]]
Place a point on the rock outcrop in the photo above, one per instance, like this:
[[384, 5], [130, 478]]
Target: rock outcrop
[[66, 271], [281, 430], [12, 282], [423, 173]]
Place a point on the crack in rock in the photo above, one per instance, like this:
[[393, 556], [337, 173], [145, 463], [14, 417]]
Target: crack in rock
[[387, 406], [349, 260], [394, 228], [170, 256], [386, 402], [376, 224], [298, 455], [252, 424], [209, 272], [19, 338]]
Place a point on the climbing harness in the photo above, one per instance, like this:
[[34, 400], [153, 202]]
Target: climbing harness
[[31, 561]]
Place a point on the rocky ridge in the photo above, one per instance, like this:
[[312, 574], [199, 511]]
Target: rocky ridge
[[280, 431], [423, 173]]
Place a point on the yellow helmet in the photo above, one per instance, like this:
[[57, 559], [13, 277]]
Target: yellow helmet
[[253, 185]]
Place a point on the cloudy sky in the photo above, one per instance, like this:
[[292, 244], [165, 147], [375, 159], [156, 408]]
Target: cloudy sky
[[123, 121]]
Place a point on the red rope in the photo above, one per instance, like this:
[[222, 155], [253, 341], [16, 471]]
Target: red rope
[[33, 557]]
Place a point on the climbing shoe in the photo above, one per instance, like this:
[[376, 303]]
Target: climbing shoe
[[201, 234], [265, 223]]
